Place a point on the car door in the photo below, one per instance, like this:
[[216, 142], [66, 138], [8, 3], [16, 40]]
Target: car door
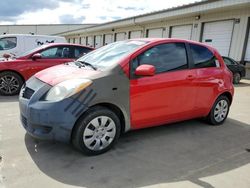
[[209, 77], [167, 96], [50, 57]]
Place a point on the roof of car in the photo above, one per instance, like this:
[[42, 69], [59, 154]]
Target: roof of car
[[68, 44], [165, 39], [153, 40]]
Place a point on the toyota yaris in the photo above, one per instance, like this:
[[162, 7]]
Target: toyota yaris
[[123, 86]]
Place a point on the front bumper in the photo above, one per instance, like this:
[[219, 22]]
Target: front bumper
[[44, 119]]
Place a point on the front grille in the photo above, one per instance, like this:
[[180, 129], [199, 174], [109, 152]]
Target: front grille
[[24, 121], [27, 93]]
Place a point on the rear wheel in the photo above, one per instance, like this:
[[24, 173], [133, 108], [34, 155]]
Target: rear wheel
[[219, 111], [97, 131], [10, 83], [236, 78]]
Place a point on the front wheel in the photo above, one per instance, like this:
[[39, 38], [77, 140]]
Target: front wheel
[[219, 111], [97, 131]]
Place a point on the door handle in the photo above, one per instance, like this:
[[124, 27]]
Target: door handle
[[190, 77]]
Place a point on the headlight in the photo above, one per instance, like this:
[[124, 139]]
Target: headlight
[[66, 89]]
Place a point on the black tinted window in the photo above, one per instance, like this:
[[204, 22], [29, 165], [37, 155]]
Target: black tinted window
[[165, 57], [55, 52], [78, 52], [202, 56], [229, 61], [7, 43]]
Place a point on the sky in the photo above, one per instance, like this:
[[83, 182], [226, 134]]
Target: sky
[[78, 11]]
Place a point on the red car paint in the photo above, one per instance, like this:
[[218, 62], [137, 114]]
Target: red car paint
[[166, 97], [54, 76], [178, 95], [146, 70], [26, 67]]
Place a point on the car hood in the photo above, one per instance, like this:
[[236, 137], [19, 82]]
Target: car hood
[[57, 74]]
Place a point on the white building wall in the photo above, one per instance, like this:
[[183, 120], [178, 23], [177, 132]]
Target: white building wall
[[40, 29], [239, 30], [21, 30], [182, 31], [120, 36], [247, 55], [135, 34]]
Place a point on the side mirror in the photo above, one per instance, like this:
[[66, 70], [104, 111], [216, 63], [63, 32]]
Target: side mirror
[[6, 56], [36, 56], [145, 70]]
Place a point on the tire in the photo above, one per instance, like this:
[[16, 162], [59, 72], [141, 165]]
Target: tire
[[96, 131], [236, 78], [219, 111], [10, 83]]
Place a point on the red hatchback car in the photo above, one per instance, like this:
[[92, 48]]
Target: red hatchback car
[[14, 72], [126, 85]]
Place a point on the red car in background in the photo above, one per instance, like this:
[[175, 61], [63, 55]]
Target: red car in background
[[14, 72]]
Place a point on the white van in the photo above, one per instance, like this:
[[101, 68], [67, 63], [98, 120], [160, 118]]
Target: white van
[[16, 44]]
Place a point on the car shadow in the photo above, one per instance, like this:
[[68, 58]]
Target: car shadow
[[183, 151], [8, 98]]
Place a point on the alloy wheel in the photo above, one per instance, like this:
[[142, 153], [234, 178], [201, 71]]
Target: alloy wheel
[[9, 84]]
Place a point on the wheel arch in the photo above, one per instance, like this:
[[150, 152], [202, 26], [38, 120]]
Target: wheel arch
[[228, 95], [210, 117], [110, 106], [225, 93], [117, 111], [18, 73]]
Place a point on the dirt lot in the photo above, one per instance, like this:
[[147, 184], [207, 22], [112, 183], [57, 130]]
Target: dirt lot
[[186, 154]]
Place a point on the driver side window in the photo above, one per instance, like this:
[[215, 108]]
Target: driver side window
[[165, 57], [56, 52]]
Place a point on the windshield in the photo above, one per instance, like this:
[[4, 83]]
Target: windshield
[[32, 51], [109, 55]]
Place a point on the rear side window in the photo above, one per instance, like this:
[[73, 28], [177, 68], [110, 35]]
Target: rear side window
[[78, 52], [165, 57], [229, 62], [8, 43], [202, 56]]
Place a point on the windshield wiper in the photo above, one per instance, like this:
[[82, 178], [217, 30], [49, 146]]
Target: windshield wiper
[[86, 64]]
